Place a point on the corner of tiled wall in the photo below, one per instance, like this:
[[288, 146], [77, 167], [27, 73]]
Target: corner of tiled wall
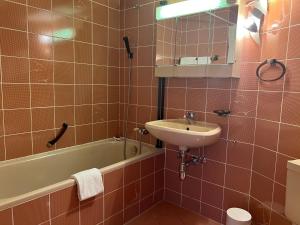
[[60, 62]]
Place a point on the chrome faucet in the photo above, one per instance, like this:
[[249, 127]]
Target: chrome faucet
[[190, 117], [142, 132]]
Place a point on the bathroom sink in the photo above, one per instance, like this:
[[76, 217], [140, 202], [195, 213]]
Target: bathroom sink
[[179, 132]]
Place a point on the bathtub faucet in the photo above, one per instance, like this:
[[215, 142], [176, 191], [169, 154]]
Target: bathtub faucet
[[142, 132]]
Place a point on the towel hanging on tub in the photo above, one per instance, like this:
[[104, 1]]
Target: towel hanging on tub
[[89, 183]]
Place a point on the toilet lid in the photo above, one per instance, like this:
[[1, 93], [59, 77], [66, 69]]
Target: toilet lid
[[239, 214]]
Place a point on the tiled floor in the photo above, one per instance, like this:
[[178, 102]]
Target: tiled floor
[[168, 214]]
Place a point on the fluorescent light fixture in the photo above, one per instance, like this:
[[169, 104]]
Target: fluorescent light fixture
[[189, 7]]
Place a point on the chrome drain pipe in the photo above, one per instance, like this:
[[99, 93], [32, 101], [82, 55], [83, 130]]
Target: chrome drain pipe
[[184, 163], [182, 168]]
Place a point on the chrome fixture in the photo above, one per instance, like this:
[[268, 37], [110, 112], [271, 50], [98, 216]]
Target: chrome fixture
[[214, 58], [142, 132], [190, 117], [185, 162], [222, 112]]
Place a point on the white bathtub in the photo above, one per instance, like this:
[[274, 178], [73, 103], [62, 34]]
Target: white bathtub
[[33, 176]]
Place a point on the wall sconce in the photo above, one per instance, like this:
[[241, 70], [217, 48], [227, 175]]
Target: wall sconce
[[259, 8]]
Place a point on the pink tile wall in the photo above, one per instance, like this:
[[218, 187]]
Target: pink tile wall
[[203, 35], [48, 78], [247, 167], [138, 24], [129, 191], [167, 34], [264, 121]]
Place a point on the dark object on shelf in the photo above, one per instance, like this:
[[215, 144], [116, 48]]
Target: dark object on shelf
[[214, 58], [222, 112], [163, 2], [60, 134], [272, 62]]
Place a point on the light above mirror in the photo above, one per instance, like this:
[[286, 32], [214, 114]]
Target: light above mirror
[[202, 44], [189, 7]]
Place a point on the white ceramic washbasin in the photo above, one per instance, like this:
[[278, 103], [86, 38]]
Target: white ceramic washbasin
[[179, 132]]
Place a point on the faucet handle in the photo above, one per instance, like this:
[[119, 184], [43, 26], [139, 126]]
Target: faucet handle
[[142, 131], [222, 112], [190, 115]]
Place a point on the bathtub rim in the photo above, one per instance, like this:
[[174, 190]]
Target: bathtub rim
[[41, 192], [61, 151]]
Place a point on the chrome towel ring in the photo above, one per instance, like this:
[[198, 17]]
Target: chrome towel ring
[[272, 62]]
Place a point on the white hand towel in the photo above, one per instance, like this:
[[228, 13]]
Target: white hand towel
[[89, 183]]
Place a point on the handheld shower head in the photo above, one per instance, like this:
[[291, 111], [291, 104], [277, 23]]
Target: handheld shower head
[[126, 42]]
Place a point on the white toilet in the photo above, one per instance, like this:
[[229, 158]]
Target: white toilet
[[237, 216], [292, 204]]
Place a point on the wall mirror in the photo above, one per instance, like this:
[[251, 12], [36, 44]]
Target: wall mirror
[[196, 44]]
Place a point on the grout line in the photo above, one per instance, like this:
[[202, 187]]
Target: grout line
[[2, 103], [84, 63], [93, 78], [281, 111], [29, 74], [140, 183], [92, 1], [53, 36], [49, 211], [72, 210], [201, 202], [226, 159], [12, 216], [205, 119], [74, 88], [239, 142], [53, 87], [254, 141], [137, 62], [107, 72], [185, 109], [50, 221], [123, 189], [154, 179], [218, 185], [186, 88], [53, 129], [61, 61]]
